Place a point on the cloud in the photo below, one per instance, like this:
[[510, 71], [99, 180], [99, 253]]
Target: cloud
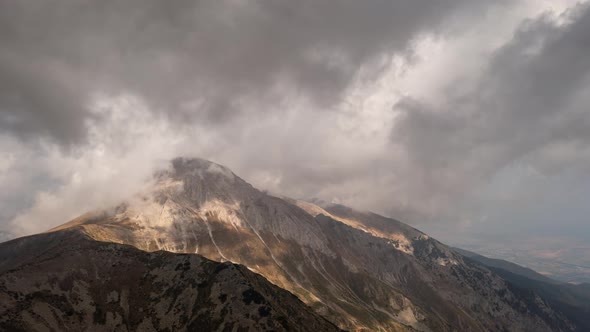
[[121, 155], [296, 97], [191, 59], [528, 107]]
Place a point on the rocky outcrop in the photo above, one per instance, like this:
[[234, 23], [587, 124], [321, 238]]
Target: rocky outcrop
[[64, 281]]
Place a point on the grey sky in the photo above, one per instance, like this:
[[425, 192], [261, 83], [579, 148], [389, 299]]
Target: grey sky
[[459, 117], [191, 59]]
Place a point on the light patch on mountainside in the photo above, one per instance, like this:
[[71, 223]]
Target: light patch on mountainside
[[399, 240]]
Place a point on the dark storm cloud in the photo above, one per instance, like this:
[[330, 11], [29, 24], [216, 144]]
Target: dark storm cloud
[[190, 59], [295, 97], [530, 101]]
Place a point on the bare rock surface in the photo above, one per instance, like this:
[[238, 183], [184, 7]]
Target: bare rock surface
[[64, 281]]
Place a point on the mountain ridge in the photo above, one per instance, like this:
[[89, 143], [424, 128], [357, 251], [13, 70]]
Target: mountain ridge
[[359, 270], [101, 286]]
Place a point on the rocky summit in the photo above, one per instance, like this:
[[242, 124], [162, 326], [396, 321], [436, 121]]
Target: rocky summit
[[202, 249]]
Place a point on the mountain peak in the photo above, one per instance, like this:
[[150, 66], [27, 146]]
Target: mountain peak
[[200, 180], [184, 166]]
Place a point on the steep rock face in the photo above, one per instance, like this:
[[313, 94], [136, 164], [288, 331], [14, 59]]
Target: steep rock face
[[63, 281], [359, 270], [472, 287]]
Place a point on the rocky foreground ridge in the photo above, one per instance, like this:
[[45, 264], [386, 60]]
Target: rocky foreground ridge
[[65, 281]]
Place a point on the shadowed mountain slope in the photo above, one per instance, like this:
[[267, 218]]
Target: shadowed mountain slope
[[572, 300], [64, 281]]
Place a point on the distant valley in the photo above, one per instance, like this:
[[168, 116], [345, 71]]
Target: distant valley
[[564, 260]]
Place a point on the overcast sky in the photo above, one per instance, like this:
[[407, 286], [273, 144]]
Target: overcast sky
[[461, 117]]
